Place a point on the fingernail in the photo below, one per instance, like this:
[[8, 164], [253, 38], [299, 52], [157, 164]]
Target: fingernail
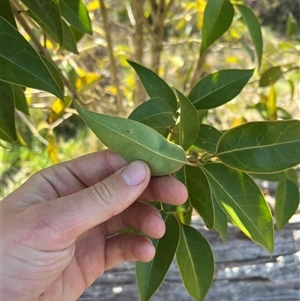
[[134, 173]]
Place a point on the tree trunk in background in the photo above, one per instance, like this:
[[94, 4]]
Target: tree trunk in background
[[157, 26], [138, 40], [113, 68]]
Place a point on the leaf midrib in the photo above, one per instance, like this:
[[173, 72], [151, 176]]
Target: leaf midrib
[[219, 88], [147, 148], [190, 256], [238, 207], [255, 147], [40, 78]]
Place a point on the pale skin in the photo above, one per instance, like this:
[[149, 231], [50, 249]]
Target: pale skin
[[59, 228]]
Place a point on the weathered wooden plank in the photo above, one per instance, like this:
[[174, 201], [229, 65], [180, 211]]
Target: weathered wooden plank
[[244, 271]]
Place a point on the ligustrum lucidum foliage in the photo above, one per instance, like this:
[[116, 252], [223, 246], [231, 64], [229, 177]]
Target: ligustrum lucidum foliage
[[171, 134]]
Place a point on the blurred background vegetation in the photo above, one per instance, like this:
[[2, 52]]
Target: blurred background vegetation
[[164, 36]]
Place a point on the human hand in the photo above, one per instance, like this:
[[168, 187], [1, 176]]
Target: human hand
[[59, 228]]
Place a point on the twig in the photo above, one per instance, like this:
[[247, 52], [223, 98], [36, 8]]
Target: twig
[[32, 128], [198, 70], [60, 120]]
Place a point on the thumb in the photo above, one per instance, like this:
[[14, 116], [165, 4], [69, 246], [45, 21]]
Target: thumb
[[72, 215]]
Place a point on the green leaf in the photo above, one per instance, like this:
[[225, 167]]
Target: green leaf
[[195, 261], [77, 34], [202, 116], [218, 15], [208, 138], [68, 43], [155, 113], [261, 108], [221, 221], [55, 72], [6, 12], [254, 29], [150, 275], [48, 12], [290, 174], [283, 114], [75, 12], [242, 200], [20, 64], [7, 113], [155, 86], [136, 141], [287, 202], [200, 194], [20, 99], [188, 126], [218, 88], [270, 76], [291, 25], [261, 147]]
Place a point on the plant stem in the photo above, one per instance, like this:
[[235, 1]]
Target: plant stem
[[198, 69], [113, 68]]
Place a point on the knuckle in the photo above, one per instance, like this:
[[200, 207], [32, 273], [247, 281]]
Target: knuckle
[[102, 194]]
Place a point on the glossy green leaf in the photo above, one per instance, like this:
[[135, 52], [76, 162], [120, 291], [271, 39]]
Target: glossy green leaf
[[7, 113], [208, 138], [150, 275], [155, 113], [68, 43], [218, 88], [155, 86], [270, 76], [195, 261], [48, 12], [75, 12], [261, 147], [20, 99], [200, 194], [188, 126], [290, 174], [6, 12], [221, 221], [254, 29], [217, 19], [287, 202], [77, 34], [20, 64], [242, 200], [136, 141], [55, 72]]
